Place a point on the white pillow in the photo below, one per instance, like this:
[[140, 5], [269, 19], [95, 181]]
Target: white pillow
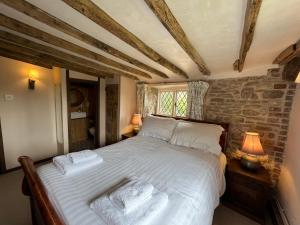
[[198, 135], [158, 127]]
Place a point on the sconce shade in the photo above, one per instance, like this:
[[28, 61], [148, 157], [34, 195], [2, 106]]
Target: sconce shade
[[251, 144], [136, 120], [33, 75]]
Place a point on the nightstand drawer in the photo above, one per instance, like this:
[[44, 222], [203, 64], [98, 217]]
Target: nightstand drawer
[[249, 195], [246, 191], [245, 184]]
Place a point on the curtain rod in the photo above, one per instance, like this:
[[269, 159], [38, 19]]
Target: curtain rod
[[166, 83], [170, 83]]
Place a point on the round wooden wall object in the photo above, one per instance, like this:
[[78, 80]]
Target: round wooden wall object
[[76, 97]]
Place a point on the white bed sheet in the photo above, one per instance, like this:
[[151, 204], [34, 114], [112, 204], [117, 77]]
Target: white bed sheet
[[193, 179]]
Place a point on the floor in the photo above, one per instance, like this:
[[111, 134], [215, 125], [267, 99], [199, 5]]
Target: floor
[[15, 210]]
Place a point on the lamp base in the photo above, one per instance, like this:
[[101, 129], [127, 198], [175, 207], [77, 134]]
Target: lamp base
[[136, 130], [250, 163]]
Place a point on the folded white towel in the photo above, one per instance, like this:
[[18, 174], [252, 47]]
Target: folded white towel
[[132, 195], [146, 214], [82, 156], [64, 164]]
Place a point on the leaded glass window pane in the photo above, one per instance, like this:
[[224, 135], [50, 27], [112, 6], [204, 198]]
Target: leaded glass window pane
[[166, 103], [181, 103]]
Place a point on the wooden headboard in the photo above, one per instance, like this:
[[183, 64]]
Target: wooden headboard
[[224, 135]]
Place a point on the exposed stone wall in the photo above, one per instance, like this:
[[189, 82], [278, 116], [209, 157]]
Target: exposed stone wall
[[259, 104]]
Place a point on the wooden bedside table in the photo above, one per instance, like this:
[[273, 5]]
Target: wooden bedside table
[[128, 135], [247, 192]]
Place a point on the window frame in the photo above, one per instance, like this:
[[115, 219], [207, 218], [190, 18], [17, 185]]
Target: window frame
[[174, 97]]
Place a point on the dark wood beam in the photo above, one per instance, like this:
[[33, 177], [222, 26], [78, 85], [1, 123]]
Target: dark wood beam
[[252, 10], [59, 54], [288, 54], [27, 55], [59, 42], [42, 16], [166, 17], [25, 58], [96, 14]]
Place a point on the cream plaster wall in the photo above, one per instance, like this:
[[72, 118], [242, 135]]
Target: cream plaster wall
[[28, 121], [289, 182], [127, 104]]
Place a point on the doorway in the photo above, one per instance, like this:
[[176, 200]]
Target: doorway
[[83, 114]]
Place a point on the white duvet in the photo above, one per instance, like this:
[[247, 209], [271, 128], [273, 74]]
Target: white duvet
[[193, 180]]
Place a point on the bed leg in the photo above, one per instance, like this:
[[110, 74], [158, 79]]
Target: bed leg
[[33, 212], [25, 188], [26, 191]]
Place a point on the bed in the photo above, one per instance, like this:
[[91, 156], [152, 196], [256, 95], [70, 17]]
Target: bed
[[194, 181]]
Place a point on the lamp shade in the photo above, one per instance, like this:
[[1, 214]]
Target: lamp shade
[[251, 144], [136, 120], [32, 75]]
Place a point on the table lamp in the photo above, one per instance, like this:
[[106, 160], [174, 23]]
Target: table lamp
[[252, 147], [136, 121]]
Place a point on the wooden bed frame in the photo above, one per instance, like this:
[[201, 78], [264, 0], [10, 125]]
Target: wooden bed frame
[[42, 211]]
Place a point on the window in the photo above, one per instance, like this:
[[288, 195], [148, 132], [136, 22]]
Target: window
[[172, 103]]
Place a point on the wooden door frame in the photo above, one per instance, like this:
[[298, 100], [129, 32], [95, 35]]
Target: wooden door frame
[[118, 112], [96, 84], [2, 156]]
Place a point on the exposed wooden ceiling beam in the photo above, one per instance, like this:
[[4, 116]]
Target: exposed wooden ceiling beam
[[25, 58], [27, 55], [252, 10], [42, 16], [164, 14], [96, 14], [288, 54], [20, 41], [59, 42]]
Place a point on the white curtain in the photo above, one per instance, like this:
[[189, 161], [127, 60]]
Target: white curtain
[[146, 99], [140, 89], [195, 99]]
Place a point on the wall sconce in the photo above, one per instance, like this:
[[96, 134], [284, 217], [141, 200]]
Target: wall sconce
[[32, 76]]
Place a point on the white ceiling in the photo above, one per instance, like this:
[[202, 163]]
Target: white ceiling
[[214, 27]]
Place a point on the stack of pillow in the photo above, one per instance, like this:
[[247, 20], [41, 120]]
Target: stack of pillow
[[194, 135]]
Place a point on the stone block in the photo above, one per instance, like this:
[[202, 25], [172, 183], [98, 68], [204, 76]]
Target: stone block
[[292, 86], [217, 100], [271, 135], [272, 94], [280, 86], [275, 109]]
